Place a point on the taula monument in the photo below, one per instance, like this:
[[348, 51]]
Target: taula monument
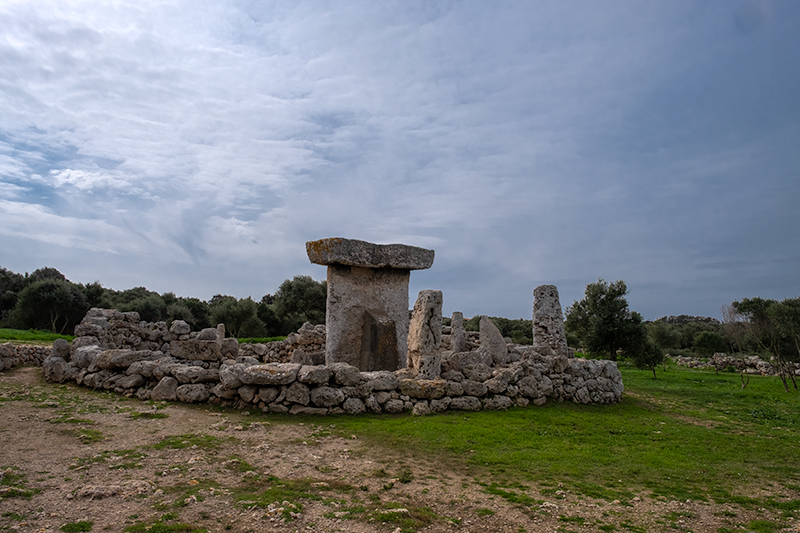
[[372, 355], [367, 307]]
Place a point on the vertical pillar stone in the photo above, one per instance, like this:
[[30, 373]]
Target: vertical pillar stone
[[367, 306], [458, 337], [425, 335], [548, 321]]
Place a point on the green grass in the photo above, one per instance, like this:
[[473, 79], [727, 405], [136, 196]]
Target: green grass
[[31, 335], [688, 434], [75, 527]]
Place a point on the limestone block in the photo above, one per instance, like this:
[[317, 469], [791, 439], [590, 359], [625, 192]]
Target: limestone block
[[55, 369], [268, 374], [229, 376], [223, 392], [466, 403], [421, 408], [345, 374], [353, 406], [86, 355], [372, 404], [195, 374], [298, 393], [304, 410], [457, 361], [165, 390], [458, 338], [196, 349], [425, 329], [207, 334], [179, 327], [268, 394], [394, 406], [314, 374], [60, 349], [473, 388], [423, 388], [548, 320], [497, 402], [454, 388], [381, 380], [439, 405], [492, 339], [326, 396], [192, 393], [247, 392], [479, 372], [133, 381], [351, 252]]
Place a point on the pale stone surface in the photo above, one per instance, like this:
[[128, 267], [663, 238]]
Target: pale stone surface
[[196, 349], [458, 337], [367, 317], [351, 252], [180, 327], [548, 320], [166, 389], [492, 340], [425, 335]]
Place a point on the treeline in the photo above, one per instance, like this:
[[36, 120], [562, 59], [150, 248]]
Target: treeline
[[603, 325], [47, 300]]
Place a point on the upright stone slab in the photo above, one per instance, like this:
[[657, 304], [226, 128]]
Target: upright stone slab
[[367, 306], [425, 335], [548, 320], [458, 337], [492, 340]]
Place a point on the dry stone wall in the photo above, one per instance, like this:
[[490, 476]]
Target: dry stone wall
[[12, 355], [116, 351]]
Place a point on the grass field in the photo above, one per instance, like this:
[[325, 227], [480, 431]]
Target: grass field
[[30, 336], [689, 434]]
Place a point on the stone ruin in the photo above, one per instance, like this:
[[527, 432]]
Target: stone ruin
[[369, 357]]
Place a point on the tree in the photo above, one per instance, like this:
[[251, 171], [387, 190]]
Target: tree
[[603, 323], [54, 304], [775, 327], [707, 343], [11, 284], [299, 300], [239, 316]]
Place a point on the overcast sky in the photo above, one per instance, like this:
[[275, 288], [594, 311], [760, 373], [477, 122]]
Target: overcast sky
[[195, 147]]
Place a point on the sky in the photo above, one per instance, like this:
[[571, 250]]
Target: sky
[[196, 146]]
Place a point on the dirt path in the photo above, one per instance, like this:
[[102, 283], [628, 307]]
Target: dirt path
[[71, 456]]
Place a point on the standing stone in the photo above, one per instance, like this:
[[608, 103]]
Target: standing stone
[[425, 335], [458, 337], [367, 304], [548, 321], [492, 340]]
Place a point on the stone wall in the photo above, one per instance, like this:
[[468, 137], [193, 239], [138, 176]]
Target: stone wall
[[750, 364], [12, 355], [115, 351]]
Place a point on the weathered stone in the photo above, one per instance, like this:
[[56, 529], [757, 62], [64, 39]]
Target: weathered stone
[[207, 334], [473, 388], [345, 374], [269, 374], [425, 335], [457, 361], [479, 372], [466, 403], [492, 339], [298, 393], [229, 376], [229, 348], [454, 388], [122, 358], [437, 406], [351, 252], [60, 349], [371, 403], [166, 389], [247, 393], [268, 394], [55, 369], [196, 349], [421, 409], [223, 392], [179, 327], [86, 355], [314, 374], [382, 397], [423, 388], [353, 406], [194, 374], [192, 393], [394, 406], [548, 320], [326, 396], [458, 338], [497, 402], [381, 380], [133, 381]]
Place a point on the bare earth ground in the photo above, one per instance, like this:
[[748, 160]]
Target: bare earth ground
[[71, 455]]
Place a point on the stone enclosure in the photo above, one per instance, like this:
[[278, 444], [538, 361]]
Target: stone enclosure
[[369, 357]]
